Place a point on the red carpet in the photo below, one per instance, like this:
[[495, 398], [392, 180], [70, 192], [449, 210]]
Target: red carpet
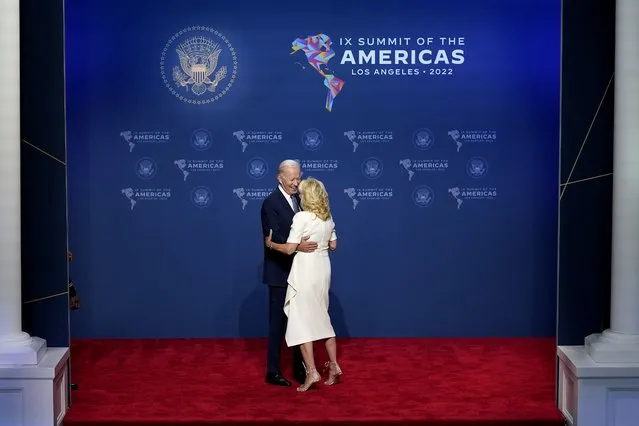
[[386, 381]]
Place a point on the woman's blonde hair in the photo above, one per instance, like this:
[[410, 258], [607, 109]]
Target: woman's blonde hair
[[315, 198]]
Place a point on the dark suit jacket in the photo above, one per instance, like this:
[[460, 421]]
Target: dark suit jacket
[[277, 215]]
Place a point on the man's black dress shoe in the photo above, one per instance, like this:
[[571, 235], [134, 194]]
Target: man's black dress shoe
[[277, 380]]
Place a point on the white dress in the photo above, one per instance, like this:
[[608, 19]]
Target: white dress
[[306, 304]]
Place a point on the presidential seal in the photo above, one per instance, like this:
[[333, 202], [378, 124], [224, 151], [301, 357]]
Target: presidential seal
[[198, 65]]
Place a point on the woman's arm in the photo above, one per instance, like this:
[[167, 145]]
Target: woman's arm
[[332, 243], [286, 248]]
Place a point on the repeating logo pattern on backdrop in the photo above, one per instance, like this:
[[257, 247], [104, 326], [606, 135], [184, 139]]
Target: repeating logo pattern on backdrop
[[476, 167], [257, 168], [418, 167], [198, 65], [421, 167], [190, 174], [145, 168], [201, 141]]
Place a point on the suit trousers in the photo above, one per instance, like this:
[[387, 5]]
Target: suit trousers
[[276, 332]]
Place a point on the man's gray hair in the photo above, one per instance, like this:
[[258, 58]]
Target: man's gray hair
[[288, 163]]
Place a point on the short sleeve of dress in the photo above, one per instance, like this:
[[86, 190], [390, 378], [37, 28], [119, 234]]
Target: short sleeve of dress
[[297, 228], [333, 233]]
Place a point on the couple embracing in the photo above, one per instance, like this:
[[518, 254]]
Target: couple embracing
[[298, 234]]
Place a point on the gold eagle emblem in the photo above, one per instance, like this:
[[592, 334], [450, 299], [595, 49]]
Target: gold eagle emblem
[[198, 61]]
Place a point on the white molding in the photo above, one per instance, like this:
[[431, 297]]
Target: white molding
[[592, 394], [35, 395]]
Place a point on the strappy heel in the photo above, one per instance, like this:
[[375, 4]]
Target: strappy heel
[[335, 373], [312, 377]]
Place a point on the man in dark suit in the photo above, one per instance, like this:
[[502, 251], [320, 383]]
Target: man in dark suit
[[277, 214]]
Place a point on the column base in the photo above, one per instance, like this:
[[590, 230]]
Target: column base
[[35, 395], [21, 349], [612, 347], [593, 394]]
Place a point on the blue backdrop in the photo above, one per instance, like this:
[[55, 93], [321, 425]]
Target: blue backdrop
[[439, 150]]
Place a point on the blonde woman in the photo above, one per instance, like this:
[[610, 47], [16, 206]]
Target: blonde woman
[[306, 304]]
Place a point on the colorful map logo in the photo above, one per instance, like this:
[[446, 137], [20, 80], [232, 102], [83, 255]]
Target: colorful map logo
[[318, 53]]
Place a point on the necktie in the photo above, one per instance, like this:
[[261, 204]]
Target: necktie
[[296, 206]]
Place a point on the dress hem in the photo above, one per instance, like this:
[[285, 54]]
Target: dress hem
[[314, 339]]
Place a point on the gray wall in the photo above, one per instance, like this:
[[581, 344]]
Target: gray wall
[[586, 204], [43, 162]]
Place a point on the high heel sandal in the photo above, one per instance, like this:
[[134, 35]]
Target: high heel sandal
[[312, 377], [335, 373]]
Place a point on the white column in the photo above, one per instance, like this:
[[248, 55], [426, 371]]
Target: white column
[[621, 342], [598, 383], [16, 347], [33, 378]]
